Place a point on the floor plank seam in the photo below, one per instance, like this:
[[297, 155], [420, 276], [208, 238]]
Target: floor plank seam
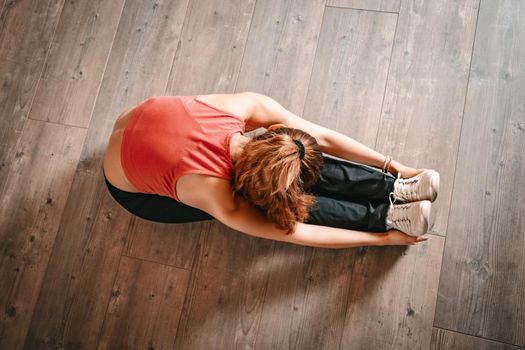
[[313, 62], [154, 262], [350, 272], [386, 80], [244, 49], [457, 155], [264, 298], [43, 67], [358, 9], [52, 249], [479, 337], [123, 249], [58, 123], [187, 303], [106, 64], [101, 329], [179, 46]]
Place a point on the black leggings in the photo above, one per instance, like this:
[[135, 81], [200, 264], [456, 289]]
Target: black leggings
[[348, 195]]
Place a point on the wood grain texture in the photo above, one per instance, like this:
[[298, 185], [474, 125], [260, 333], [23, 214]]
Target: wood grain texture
[[226, 292], [170, 244], [280, 50], [481, 290], [393, 291], [373, 5], [305, 300], [17, 84], [26, 29], [210, 52], [37, 187], [447, 340], [425, 94], [145, 306], [94, 228], [350, 72], [2, 7], [76, 62]]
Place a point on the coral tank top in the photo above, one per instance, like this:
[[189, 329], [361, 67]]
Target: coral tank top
[[170, 136]]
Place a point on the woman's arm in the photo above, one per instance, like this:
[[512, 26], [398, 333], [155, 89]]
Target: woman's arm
[[268, 111], [240, 215], [248, 219]]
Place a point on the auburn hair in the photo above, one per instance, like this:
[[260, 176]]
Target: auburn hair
[[270, 174]]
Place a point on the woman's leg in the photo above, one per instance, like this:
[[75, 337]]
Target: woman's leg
[[346, 180], [351, 196], [357, 214]]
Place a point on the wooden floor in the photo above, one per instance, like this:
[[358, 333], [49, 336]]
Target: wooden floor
[[435, 83]]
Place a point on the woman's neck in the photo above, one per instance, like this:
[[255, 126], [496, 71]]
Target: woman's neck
[[237, 143]]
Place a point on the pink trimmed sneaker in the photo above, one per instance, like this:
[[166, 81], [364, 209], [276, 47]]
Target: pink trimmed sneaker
[[411, 218], [420, 187]]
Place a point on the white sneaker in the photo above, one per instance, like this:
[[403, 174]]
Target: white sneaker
[[411, 218], [417, 188]]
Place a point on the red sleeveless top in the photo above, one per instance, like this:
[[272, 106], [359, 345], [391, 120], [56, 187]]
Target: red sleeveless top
[[170, 136]]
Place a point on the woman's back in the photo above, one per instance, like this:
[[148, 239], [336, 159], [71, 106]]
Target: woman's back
[[165, 138]]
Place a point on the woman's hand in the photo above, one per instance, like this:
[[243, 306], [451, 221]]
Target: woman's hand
[[395, 237], [405, 171]]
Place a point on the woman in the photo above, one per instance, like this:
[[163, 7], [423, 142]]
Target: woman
[[180, 159]]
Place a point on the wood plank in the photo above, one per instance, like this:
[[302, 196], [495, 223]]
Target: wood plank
[[280, 50], [393, 291], [338, 296], [76, 62], [145, 306], [93, 230], [15, 100], [350, 72], [211, 47], [447, 340], [224, 299], [2, 7], [346, 89], [26, 29], [37, 187], [481, 291], [170, 244], [423, 106], [299, 279], [372, 5]]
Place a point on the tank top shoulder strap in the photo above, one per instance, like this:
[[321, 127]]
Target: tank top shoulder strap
[[196, 99]]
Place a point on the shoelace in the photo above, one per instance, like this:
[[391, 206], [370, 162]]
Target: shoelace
[[405, 189], [392, 194], [402, 222]]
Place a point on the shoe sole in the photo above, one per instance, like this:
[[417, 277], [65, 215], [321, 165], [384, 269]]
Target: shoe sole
[[425, 208], [435, 185]]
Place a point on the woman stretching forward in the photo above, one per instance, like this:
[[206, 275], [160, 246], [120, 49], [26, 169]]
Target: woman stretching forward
[[176, 159]]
